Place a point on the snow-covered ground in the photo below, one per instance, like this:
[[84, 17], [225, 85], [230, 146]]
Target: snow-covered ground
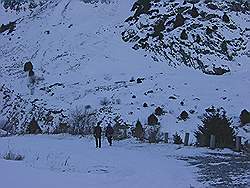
[[64, 161]]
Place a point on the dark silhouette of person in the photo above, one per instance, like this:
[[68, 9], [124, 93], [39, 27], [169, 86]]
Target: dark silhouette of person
[[97, 134], [109, 134]]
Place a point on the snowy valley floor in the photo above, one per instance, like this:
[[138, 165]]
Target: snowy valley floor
[[66, 161]]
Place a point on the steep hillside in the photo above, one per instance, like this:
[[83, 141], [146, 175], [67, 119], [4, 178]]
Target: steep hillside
[[80, 58], [205, 35]]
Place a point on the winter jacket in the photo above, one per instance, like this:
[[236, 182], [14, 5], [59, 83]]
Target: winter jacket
[[109, 131], [97, 131]]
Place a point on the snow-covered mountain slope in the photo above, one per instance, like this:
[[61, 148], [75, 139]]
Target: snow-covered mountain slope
[[204, 35], [79, 58]]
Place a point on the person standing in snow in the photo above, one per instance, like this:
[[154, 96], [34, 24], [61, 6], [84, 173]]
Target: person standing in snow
[[97, 134], [109, 134]]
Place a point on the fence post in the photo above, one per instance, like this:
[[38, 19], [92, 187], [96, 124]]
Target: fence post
[[212, 142], [238, 143], [202, 141], [186, 139], [165, 137]]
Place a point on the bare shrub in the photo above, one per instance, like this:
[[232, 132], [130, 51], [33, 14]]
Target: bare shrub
[[13, 156], [62, 128], [153, 134], [82, 121], [105, 101]]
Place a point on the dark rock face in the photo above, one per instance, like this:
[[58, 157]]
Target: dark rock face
[[194, 12], [199, 27], [217, 71], [139, 80], [159, 111], [184, 35], [225, 18], [28, 66], [212, 6], [184, 115], [244, 117], [10, 27], [179, 21]]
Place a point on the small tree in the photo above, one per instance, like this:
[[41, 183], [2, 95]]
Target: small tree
[[33, 127], [120, 131], [215, 122], [177, 138], [138, 131]]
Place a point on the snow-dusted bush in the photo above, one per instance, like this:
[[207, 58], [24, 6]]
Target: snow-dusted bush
[[3, 122], [177, 139], [82, 121], [3, 133], [105, 101], [120, 131], [13, 156], [62, 128], [153, 134], [12, 123], [215, 122], [33, 127]]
